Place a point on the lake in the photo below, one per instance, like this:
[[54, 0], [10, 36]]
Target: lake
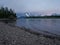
[[38, 24]]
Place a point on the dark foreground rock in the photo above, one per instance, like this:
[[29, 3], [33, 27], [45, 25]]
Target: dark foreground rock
[[10, 35]]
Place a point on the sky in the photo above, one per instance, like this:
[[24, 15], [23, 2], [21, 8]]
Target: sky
[[45, 6]]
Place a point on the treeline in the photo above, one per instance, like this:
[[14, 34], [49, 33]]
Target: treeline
[[7, 13], [43, 16]]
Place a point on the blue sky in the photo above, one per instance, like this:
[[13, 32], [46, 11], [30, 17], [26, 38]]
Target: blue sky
[[32, 5]]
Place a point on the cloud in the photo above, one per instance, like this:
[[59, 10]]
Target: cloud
[[31, 5], [14, 4]]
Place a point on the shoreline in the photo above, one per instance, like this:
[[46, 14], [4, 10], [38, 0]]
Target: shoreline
[[44, 33], [13, 35]]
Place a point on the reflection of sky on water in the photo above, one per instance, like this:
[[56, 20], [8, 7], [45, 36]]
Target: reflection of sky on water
[[50, 25]]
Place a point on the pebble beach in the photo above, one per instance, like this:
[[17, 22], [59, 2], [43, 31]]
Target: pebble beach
[[12, 35]]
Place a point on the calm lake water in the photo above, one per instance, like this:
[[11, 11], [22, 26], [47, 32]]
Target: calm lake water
[[37, 24]]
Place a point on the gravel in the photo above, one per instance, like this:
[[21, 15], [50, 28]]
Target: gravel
[[11, 35]]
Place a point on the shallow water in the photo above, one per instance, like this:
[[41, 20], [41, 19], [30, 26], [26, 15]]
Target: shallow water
[[38, 24]]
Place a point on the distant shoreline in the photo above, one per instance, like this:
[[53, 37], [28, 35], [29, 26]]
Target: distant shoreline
[[40, 17]]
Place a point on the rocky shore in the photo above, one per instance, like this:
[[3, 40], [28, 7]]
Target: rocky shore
[[11, 35]]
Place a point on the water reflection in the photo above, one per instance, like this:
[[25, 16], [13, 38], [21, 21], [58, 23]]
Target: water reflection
[[50, 25]]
